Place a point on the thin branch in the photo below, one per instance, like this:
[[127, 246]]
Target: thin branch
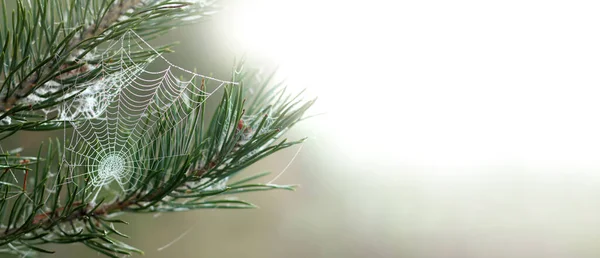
[[48, 218], [112, 16]]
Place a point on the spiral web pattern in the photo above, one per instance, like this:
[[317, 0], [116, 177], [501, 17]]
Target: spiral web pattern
[[121, 114]]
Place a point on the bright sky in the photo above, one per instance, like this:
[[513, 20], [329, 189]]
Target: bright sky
[[441, 82]]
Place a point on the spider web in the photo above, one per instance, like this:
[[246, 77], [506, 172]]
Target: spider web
[[115, 118]]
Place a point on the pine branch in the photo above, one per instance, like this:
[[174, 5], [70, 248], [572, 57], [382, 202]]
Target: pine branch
[[62, 43], [179, 161], [180, 183], [113, 13]]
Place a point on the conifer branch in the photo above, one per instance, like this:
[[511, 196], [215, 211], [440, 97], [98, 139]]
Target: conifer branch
[[113, 13], [185, 162]]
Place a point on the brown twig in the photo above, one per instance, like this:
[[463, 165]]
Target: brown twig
[[49, 218], [112, 15], [46, 218]]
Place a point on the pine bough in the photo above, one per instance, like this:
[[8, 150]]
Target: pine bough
[[135, 140]]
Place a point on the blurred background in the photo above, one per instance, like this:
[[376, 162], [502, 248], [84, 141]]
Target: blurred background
[[447, 129]]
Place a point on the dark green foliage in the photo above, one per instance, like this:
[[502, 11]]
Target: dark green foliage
[[50, 39], [42, 203]]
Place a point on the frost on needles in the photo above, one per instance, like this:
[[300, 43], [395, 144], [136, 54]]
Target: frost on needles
[[134, 139]]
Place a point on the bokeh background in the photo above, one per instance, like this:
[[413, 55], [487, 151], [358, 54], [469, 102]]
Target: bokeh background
[[446, 129]]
